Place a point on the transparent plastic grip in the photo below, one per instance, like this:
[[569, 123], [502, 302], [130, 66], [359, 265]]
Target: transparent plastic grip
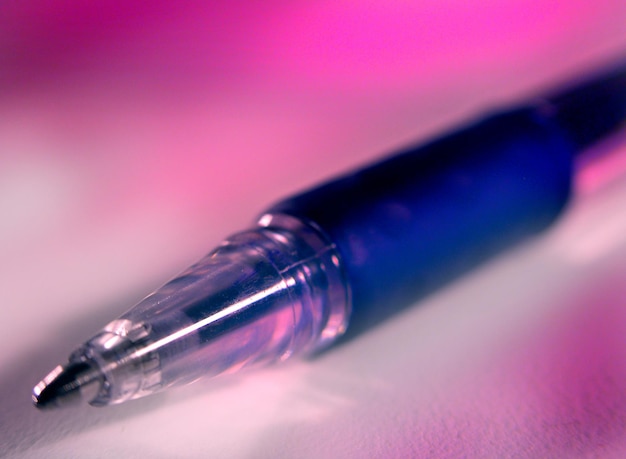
[[263, 295]]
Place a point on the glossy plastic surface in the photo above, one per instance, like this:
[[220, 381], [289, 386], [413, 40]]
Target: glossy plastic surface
[[412, 222], [261, 296]]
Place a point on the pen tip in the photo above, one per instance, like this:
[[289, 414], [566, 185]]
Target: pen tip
[[67, 385]]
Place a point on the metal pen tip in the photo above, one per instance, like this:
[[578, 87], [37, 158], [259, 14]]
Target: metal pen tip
[[67, 385]]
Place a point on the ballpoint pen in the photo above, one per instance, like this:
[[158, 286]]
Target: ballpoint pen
[[327, 263]]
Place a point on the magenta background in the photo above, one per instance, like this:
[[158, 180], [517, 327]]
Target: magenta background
[[134, 135]]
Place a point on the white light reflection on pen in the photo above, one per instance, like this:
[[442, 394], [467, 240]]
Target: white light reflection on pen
[[232, 309]]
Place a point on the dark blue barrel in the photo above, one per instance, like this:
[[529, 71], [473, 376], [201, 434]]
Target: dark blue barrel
[[409, 223]]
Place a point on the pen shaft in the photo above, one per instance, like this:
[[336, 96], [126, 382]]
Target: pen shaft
[[349, 253], [409, 223]]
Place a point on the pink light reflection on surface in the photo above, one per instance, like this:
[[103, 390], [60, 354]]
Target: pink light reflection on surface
[[396, 43], [602, 166], [350, 45], [563, 387]]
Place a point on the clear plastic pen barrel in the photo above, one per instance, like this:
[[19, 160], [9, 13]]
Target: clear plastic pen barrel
[[261, 296]]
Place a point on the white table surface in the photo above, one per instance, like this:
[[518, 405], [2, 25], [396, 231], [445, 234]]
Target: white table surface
[[132, 139]]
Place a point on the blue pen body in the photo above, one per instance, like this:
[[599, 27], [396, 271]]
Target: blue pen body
[[408, 224], [347, 254], [333, 260]]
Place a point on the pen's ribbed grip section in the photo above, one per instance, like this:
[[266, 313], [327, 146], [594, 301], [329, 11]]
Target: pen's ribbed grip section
[[408, 224]]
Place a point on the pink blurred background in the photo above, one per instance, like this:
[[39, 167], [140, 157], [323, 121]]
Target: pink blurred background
[[135, 135]]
